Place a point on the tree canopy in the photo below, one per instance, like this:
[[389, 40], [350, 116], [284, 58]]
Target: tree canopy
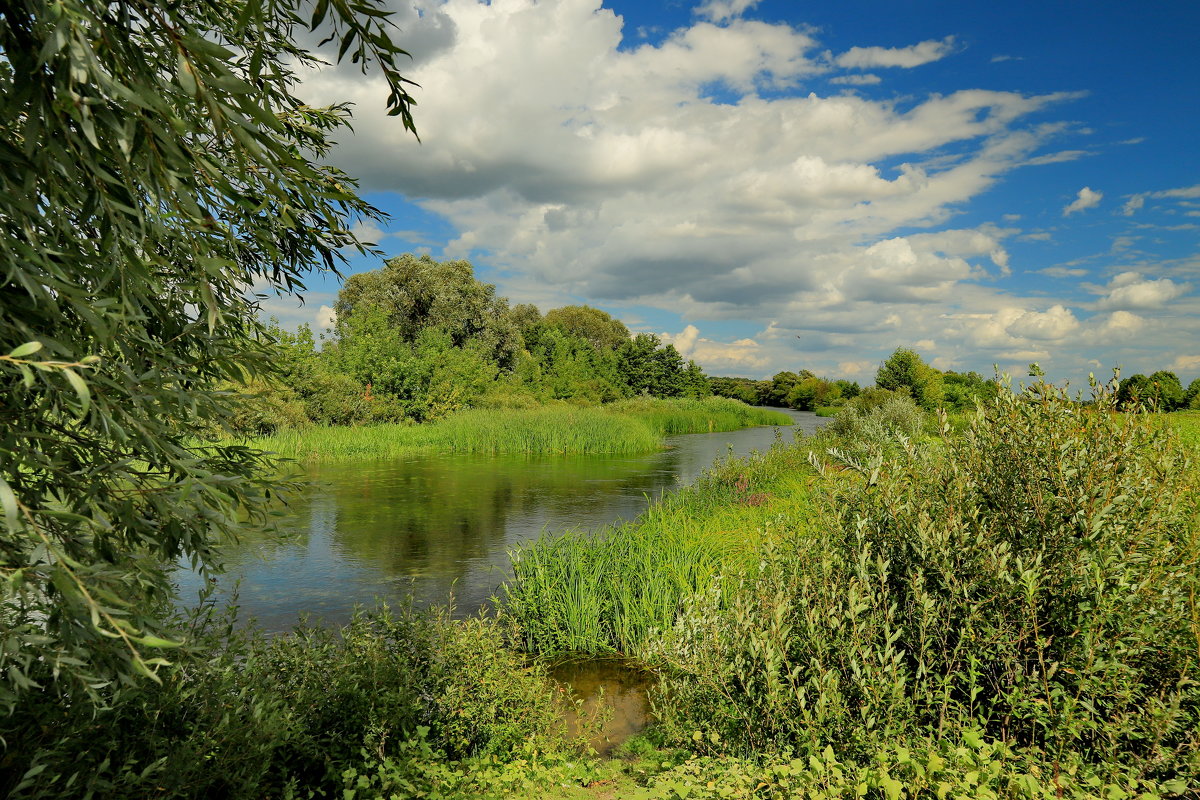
[[905, 370], [156, 166], [592, 324]]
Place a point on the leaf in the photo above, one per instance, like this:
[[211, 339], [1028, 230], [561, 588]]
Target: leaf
[[154, 641], [26, 349], [81, 389], [8, 501]]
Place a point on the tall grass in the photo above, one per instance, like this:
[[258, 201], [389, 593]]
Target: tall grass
[[635, 426], [710, 415], [614, 591]]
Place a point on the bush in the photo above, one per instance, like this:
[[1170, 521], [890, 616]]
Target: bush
[[242, 716], [874, 423], [1034, 580]]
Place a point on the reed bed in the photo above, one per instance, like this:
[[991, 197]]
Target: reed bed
[[555, 430], [710, 415], [612, 592], [625, 428]]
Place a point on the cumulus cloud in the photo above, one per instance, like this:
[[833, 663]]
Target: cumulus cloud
[[914, 56], [1185, 363], [1050, 325], [721, 10], [1084, 200], [1118, 325], [740, 356], [1130, 290], [704, 173]]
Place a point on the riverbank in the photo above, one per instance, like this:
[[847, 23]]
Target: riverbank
[[878, 630], [626, 427]]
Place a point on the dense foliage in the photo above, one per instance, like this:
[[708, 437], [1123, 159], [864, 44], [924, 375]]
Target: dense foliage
[[1032, 582], [155, 165], [903, 372], [397, 696], [419, 340]]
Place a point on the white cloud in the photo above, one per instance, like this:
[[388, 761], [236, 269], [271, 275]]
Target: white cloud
[[1130, 290], [1118, 325], [1057, 158], [721, 10], [1050, 325], [1138, 201], [326, 318], [1063, 272], [1133, 204], [1185, 363], [716, 357], [914, 56], [858, 370], [866, 79], [705, 174], [1084, 200]]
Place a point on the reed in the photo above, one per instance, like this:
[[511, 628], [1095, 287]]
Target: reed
[[613, 592], [630, 427], [709, 415]]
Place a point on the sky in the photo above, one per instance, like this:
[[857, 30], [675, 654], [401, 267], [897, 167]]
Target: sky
[[780, 185]]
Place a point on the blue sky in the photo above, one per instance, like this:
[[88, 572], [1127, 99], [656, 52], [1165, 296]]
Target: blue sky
[[778, 185]]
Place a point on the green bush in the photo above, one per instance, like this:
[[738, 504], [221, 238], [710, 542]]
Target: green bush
[[242, 716], [973, 768], [876, 422], [1034, 580]]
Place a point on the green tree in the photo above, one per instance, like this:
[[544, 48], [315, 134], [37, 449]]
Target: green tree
[[596, 326], [1168, 391], [745, 389], [1192, 398], [695, 383], [781, 385], [418, 293], [904, 369], [1134, 390], [154, 165], [809, 394]]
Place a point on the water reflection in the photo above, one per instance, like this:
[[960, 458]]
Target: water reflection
[[441, 526]]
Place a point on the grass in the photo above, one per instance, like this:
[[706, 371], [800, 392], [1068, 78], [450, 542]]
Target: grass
[[612, 591], [1187, 425], [632, 426]]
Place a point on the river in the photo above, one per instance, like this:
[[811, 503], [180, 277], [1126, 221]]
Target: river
[[439, 527]]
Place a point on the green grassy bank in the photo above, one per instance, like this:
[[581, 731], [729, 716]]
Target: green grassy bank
[[626, 427], [614, 591]]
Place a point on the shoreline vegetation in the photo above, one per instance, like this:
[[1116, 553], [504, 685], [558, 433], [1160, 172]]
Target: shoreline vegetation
[[624, 427], [895, 607]]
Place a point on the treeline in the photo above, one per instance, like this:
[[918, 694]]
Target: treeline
[[1162, 391], [904, 372], [420, 339]]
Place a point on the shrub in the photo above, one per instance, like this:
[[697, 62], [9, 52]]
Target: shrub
[[874, 423], [242, 716], [1033, 580]]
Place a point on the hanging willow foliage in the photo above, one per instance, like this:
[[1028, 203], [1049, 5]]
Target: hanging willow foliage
[[156, 168]]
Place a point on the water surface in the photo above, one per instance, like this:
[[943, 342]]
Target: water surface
[[439, 527]]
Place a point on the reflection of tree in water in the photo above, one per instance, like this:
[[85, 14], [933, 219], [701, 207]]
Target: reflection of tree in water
[[440, 523], [432, 517]]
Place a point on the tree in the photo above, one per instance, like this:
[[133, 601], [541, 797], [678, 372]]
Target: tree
[[809, 394], [1168, 391], [596, 326], [1134, 390], [904, 369], [154, 165], [418, 293]]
